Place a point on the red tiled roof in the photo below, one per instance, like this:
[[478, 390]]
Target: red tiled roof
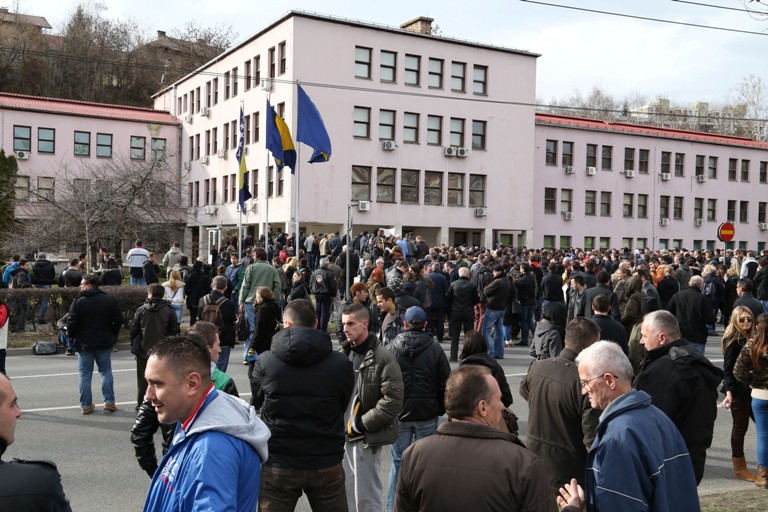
[[84, 109], [14, 17], [647, 130]]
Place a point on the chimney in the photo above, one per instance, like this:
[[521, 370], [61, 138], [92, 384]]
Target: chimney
[[160, 34], [420, 25]]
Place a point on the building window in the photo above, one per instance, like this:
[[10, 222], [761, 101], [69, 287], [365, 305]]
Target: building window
[[22, 188], [208, 93], [458, 75], [699, 165], [677, 210], [745, 170], [567, 153], [590, 202], [215, 92], [137, 147], [207, 192], [82, 143], [763, 172], [159, 145], [761, 212], [642, 206], [235, 81], [280, 182], [227, 85], [478, 134], [362, 62], [271, 182], [629, 207], [409, 186], [642, 165], [712, 168], [605, 204], [257, 70], [434, 130], [386, 125], [642, 243], [605, 242], [197, 146], [388, 66], [281, 54], [589, 242], [255, 183], [551, 152], [731, 210], [549, 241], [248, 84], [104, 145], [698, 208], [591, 155], [214, 188], [362, 126], [711, 209], [480, 80], [225, 132], [226, 188], [565, 242], [435, 77], [412, 70], [666, 162], [411, 127], [664, 207], [566, 200], [197, 193], [455, 189], [607, 159], [629, 159], [45, 188], [626, 242], [198, 99], [679, 164], [457, 132], [385, 185], [22, 138], [361, 183], [247, 131], [550, 200], [234, 136], [433, 188], [744, 211], [732, 165], [476, 190], [256, 126], [46, 140], [271, 63]]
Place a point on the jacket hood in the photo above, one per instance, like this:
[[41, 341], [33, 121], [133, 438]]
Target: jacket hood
[[235, 417], [156, 304], [412, 342], [91, 292], [301, 346]]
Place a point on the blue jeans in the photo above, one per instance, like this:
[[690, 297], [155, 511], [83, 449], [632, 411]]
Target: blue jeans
[[223, 361], [43, 303], [138, 281], [66, 341], [323, 306], [494, 318], [178, 308], [765, 305], [407, 433], [700, 347], [250, 318], [103, 358], [526, 322], [760, 410]]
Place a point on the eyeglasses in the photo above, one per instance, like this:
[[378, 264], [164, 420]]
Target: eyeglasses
[[585, 383], [745, 320]]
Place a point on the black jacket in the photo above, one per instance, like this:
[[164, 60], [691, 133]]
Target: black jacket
[[526, 290], [483, 359], [153, 321], [462, 296], [197, 286], [693, 311], [111, 277], [31, 486], [683, 384], [750, 302], [611, 330], [496, 292], [94, 320], [43, 272], [305, 387], [150, 272], [761, 284], [267, 316], [552, 287], [228, 312], [425, 371], [585, 305]]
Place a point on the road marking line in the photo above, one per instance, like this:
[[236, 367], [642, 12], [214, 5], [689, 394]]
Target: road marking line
[[72, 407], [18, 377]]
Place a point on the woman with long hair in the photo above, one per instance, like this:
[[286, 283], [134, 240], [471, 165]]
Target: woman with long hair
[[752, 368], [174, 293], [737, 399], [267, 321], [375, 282]]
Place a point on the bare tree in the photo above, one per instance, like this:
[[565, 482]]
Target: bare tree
[[752, 94]]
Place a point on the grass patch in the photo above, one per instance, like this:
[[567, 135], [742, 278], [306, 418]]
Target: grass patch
[[741, 501]]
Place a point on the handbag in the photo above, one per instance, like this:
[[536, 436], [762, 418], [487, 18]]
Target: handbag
[[44, 348], [241, 329]]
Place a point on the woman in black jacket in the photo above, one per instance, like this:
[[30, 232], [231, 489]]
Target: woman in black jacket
[[475, 351], [197, 286]]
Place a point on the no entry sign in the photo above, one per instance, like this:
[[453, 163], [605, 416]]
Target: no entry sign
[[725, 232]]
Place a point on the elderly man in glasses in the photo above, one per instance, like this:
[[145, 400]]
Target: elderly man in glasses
[[638, 461]]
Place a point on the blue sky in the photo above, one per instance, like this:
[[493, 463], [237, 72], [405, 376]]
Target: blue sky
[[580, 50]]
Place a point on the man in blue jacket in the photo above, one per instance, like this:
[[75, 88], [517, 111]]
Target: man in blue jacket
[[638, 461], [219, 444]]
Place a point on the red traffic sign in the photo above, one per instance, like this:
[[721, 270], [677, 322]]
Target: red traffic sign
[[725, 232]]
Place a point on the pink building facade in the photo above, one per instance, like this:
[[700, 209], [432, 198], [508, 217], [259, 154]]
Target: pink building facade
[[601, 184]]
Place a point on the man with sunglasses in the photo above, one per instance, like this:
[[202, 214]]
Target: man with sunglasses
[[638, 461]]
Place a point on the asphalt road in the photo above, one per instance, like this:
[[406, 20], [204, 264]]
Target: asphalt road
[[96, 459]]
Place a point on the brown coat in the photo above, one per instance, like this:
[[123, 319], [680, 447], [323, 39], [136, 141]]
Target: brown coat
[[468, 466]]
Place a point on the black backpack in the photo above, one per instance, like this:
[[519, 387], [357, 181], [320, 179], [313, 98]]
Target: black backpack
[[317, 283], [212, 313]]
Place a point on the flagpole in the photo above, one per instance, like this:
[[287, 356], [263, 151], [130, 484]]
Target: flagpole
[[266, 198], [240, 216]]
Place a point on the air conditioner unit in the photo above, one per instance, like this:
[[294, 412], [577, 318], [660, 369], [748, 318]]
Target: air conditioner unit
[[364, 206], [449, 151], [569, 169], [187, 166], [629, 173], [462, 152], [205, 160], [763, 226], [210, 210], [481, 212], [266, 84], [591, 171], [388, 145], [22, 155], [204, 112], [665, 176], [698, 222], [188, 119], [567, 215], [664, 221], [701, 178], [222, 153], [245, 150]]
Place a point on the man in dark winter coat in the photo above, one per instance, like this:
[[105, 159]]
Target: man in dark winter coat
[[43, 276], [681, 382], [461, 298], [610, 329], [496, 293], [744, 288], [693, 312], [153, 321], [425, 371], [323, 286], [151, 270], [552, 285], [602, 288], [305, 387], [437, 304], [761, 283]]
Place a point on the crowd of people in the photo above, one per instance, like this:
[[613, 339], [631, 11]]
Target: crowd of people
[[617, 340]]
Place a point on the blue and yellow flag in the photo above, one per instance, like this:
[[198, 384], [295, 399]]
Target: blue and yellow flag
[[311, 130], [242, 173], [279, 141]]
